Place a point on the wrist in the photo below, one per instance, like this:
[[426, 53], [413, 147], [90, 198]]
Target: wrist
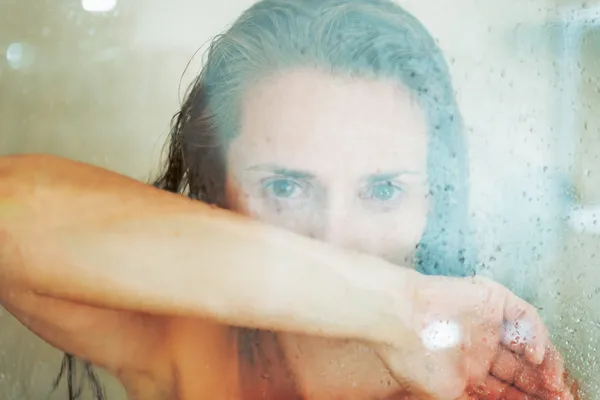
[[399, 286]]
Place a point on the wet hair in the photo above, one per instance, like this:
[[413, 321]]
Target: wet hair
[[375, 39], [362, 38], [69, 368]]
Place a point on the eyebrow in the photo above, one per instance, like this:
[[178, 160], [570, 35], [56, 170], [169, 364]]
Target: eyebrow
[[301, 174], [388, 176], [279, 170]]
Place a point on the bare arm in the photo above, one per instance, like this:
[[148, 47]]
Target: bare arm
[[79, 233], [70, 232]]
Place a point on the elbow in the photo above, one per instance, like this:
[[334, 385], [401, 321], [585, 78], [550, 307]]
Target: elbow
[[15, 165], [20, 186], [10, 184], [22, 174], [18, 163], [16, 222]]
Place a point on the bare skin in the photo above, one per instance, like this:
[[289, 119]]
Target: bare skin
[[117, 317], [149, 284]]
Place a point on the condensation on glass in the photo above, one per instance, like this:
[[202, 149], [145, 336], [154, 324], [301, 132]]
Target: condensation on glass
[[99, 80]]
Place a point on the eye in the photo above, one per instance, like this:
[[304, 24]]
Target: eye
[[382, 192], [284, 188]]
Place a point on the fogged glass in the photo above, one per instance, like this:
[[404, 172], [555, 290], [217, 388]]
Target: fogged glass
[[99, 80]]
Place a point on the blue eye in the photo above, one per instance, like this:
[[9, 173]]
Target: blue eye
[[284, 188], [384, 191]]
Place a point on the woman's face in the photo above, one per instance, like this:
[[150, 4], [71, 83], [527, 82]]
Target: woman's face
[[339, 159]]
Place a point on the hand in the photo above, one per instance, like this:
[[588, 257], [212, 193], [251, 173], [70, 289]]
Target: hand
[[474, 339], [574, 386]]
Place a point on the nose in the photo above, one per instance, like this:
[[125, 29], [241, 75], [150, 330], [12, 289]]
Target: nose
[[335, 225]]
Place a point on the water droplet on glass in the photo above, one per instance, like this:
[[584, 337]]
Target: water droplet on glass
[[20, 55]]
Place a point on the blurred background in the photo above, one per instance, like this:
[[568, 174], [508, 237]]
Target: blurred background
[[98, 81]]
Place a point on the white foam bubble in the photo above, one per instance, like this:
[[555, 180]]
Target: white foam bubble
[[440, 335]]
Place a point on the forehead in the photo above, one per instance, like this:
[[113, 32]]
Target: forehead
[[311, 120]]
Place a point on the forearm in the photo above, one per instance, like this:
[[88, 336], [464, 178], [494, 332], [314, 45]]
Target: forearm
[[81, 233]]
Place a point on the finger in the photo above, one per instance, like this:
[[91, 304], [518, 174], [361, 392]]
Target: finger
[[495, 389], [573, 386], [511, 368], [524, 330], [553, 370], [528, 378]]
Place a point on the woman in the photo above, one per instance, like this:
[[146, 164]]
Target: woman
[[333, 119]]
